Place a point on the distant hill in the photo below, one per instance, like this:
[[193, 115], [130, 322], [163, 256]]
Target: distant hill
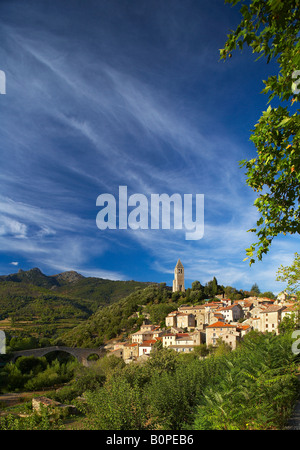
[[37, 278], [32, 276], [40, 304], [68, 277]]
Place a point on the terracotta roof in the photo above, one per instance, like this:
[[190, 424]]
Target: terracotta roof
[[242, 327], [148, 343], [213, 304], [290, 308], [220, 324], [272, 308], [192, 307], [226, 308]]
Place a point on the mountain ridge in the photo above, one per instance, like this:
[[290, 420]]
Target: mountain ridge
[[38, 278]]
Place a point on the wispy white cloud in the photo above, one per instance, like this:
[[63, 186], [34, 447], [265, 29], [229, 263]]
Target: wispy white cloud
[[88, 112], [12, 227]]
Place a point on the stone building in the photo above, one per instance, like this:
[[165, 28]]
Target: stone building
[[220, 330], [271, 318], [178, 282], [232, 313], [180, 320], [185, 320]]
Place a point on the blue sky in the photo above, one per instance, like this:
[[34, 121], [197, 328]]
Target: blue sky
[[109, 93]]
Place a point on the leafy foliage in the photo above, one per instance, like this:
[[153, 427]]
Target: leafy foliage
[[271, 29], [291, 274], [253, 387], [256, 387]]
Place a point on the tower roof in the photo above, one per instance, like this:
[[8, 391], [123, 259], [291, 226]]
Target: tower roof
[[179, 263]]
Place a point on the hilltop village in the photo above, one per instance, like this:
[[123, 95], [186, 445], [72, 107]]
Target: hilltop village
[[210, 323]]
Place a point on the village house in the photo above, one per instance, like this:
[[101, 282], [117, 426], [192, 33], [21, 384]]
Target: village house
[[146, 332], [290, 310], [256, 310], [130, 351], [183, 342], [171, 320], [226, 301], [231, 313], [246, 305], [180, 348], [220, 330], [180, 320], [260, 300], [243, 329], [270, 319], [168, 339], [141, 336], [255, 323], [146, 347], [212, 306], [185, 320]]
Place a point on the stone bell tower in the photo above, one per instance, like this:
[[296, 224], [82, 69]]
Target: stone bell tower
[[178, 282]]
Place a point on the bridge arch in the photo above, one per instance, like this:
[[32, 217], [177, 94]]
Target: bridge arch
[[81, 354]]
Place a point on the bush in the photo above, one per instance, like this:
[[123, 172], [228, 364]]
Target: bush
[[256, 387], [117, 406]]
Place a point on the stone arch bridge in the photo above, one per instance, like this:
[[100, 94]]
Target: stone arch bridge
[[81, 354]]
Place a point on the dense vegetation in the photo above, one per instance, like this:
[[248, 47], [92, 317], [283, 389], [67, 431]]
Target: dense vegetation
[[253, 387]]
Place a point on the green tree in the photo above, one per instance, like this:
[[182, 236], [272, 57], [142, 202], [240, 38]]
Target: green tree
[[255, 289], [196, 285], [272, 30], [164, 360], [291, 275], [268, 294], [214, 287]]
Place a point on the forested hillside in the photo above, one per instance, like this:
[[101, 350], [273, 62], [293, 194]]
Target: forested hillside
[[34, 304]]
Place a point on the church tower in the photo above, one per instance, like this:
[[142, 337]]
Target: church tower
[[178, 282]]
